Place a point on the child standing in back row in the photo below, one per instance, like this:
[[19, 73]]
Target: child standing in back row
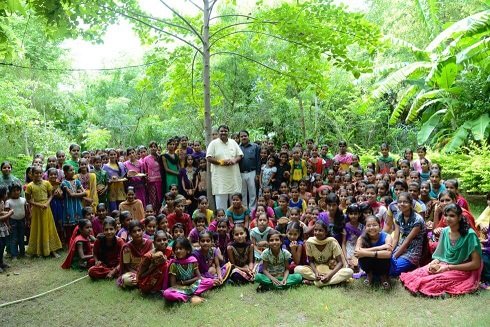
[[43, 239], [17, 221], [4, 227]]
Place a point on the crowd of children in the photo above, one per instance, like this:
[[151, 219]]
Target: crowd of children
[[142, 217]]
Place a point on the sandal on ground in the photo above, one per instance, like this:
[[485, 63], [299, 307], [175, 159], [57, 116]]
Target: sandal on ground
[[367, 282], [386, 285]]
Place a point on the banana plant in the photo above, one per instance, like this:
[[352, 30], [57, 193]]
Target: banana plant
[[429, 89]]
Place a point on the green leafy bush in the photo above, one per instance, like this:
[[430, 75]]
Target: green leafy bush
[[471, 167]]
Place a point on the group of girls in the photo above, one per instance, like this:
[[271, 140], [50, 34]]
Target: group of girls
[[322, 220]]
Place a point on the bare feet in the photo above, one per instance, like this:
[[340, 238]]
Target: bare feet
[[195, 300]]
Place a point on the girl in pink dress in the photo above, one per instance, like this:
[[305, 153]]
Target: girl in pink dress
[[134, 167], [152, 166]]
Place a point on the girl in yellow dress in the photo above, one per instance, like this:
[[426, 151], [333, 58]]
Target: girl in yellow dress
[[43, 239]]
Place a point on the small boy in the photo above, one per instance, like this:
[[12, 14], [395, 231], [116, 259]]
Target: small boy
[[17, 221]]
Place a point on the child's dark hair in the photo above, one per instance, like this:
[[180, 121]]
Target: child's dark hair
[[224, 220], [124, 214], [150, 219], [273, 232], [453, 182], [160, 217], [52, 171], [177, 226], [295, 209], [464, 227], [86, 211], [82, 223], [206, 233], [160, 233], [66, 167], [352, 208], [322, 224], [101, 206], [109, 221], [402, 184], [296, 226], [451, 194], [169, 195], [133, 224], [338, 219], [184, 243], [283, 197], [115, 214], [15, 187], [220, 209], [201, 199], [239, 195], [365, 237], [200, 217], [364, 207], [232, 232]]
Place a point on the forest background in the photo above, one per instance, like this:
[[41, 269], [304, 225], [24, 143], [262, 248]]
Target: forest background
[[402, 72]]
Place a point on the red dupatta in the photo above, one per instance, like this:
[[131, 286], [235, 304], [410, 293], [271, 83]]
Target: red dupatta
[[147, 246], [75, 238]]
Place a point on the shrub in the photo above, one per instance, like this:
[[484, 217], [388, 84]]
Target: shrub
[[471, 167]]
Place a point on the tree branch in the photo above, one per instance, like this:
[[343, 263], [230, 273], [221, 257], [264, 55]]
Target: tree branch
[[212, 6], [196, 5], [223, 93], [240, 23], [184, 20], [159, 20], [158, 29], [263, 65], [237, 15], [263, 33], [192, 77]]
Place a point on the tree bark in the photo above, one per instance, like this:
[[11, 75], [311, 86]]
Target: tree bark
[[207, 95]]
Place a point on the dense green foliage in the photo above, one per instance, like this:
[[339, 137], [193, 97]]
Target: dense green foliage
[[404, 72]]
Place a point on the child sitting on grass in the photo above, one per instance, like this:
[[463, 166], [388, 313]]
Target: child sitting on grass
[[107, 252], [80, 252], [275, 269], [185, 280]]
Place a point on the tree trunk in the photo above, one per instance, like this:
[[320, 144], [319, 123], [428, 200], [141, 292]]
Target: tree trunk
[[207, 94], [302, 116]]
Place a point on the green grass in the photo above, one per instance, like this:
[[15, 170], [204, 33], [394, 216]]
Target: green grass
[[102, 303], [96, 303]]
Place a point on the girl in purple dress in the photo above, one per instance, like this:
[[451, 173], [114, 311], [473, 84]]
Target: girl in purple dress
[[210, 259]]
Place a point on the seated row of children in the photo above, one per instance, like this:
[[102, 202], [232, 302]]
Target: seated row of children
[[184, 257]]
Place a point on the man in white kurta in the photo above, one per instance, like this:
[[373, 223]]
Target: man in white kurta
[[224, 154]]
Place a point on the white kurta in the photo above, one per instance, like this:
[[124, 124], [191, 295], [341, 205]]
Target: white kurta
[[225, 179]]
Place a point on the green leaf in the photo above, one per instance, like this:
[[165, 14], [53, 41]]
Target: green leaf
[[446, 75], [429, 126], [15, 6], [479, 126], [467, 26], [404, 100], [458, 138], [476, 52], [399, 76]]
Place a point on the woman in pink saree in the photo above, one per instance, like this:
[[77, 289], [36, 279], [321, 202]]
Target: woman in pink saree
[[457, 263]]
